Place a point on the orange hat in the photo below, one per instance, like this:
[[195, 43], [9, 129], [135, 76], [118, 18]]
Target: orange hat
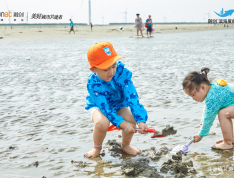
[[102, 55], [149, 15]]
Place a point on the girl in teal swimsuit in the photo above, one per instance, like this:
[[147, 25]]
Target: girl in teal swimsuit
[[219, 99]]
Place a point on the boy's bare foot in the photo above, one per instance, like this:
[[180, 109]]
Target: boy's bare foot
[[131, 150], [94, 152], [221, 140], [222, 146]]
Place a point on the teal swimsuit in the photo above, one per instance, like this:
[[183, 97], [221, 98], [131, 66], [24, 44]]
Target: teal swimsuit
[[217, 98]]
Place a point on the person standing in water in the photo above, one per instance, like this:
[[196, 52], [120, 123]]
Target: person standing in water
[[139, 25], [72, 27], [150, 25]]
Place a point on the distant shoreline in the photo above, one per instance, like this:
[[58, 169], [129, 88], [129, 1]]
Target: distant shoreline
[[42, 32], [85, 24]]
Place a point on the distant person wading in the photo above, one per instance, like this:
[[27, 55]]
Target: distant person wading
[[91, 25], [72, 27], [138, 24], [149, 25]]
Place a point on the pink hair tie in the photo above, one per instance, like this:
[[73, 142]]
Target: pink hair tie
[[202, 72]]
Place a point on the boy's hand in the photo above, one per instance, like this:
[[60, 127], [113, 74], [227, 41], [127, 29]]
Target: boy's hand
[[142, 128], [130, 127], [197, 138]]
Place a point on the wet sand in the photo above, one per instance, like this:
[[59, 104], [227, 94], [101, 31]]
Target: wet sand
[[45, 130]]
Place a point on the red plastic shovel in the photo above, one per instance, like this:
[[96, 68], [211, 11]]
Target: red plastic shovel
[[112, 127]]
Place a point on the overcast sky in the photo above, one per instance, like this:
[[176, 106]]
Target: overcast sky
[[110, 11]]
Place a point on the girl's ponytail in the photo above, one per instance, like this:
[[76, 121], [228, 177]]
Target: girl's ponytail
[[205, 71]]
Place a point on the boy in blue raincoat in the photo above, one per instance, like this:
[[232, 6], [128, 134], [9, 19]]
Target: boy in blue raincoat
[[113, 98]]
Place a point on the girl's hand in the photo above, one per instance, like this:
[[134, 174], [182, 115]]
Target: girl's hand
[[142, 128], [197, 138]]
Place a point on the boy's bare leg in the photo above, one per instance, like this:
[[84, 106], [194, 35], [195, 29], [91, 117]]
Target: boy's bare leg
[[225, 116], [126, 137], [101, 125]]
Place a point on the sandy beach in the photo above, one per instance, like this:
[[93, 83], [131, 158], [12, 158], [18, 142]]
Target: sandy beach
[[45, 130], [44, 32]]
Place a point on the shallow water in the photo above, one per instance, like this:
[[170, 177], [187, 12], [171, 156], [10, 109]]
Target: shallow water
[[43, 90]]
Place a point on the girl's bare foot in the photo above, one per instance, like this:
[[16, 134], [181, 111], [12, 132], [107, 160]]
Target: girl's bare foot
[[221, 140], [130, 150], [94, 152], [222, 146]]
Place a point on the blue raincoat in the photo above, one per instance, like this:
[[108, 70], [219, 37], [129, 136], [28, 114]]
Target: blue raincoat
[[111, 96]]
